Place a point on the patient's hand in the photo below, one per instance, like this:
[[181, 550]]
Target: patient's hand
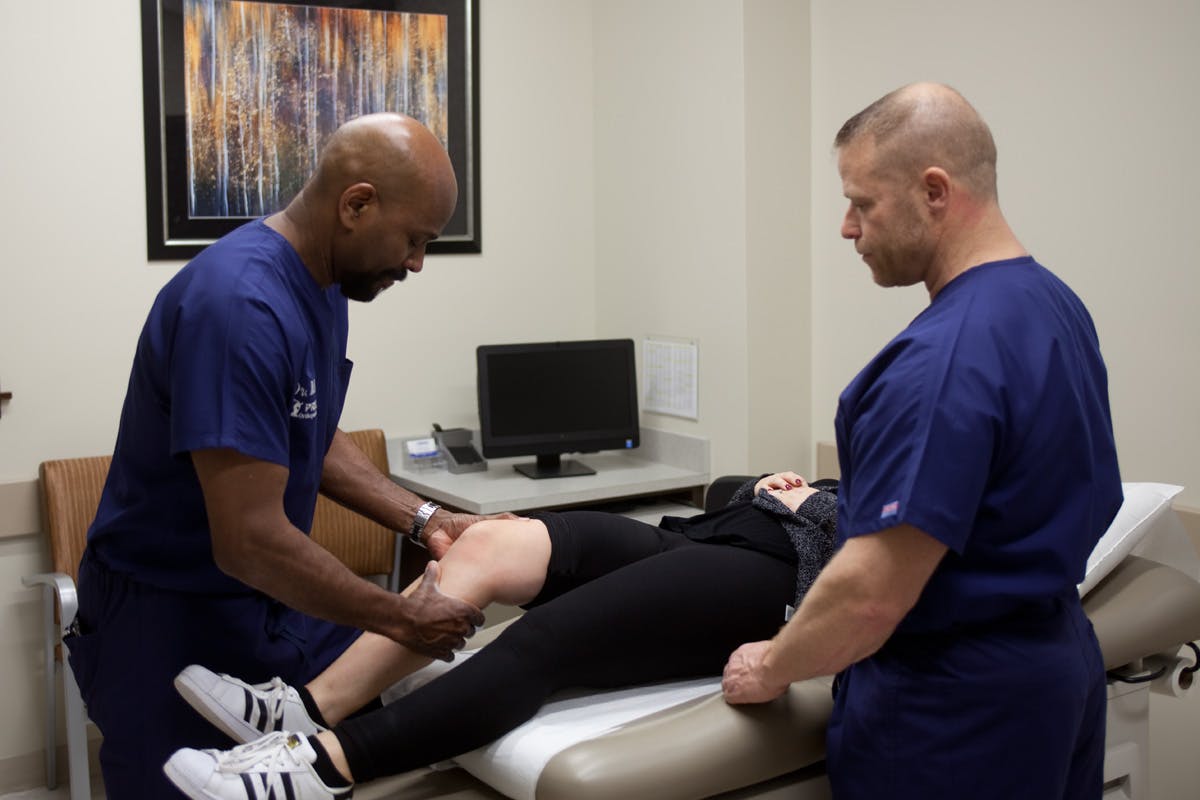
[[446, 528], [793, 498], [787, 487], [780, 480]]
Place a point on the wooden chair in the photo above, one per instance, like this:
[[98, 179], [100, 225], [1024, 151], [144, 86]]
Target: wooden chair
[[366, 547], [70, 491]]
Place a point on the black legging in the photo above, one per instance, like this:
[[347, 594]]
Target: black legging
[[624, 603]]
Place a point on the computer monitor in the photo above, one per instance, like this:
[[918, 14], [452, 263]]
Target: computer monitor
[[548, 398]]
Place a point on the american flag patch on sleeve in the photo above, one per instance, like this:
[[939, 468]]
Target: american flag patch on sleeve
[[890, 509]]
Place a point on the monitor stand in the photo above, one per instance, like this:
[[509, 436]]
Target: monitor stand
[[553, 466]]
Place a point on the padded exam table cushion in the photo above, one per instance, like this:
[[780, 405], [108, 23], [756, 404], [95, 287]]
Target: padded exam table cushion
[[681, 740]]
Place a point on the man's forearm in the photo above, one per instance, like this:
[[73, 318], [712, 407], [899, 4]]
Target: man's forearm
[[855, 604], [830, 630], [254, 541], [291, 568], [349, 477]]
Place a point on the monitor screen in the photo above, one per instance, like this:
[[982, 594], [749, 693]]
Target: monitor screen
[[548, 398]]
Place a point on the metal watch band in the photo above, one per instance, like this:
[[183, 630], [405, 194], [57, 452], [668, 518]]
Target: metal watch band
[[426, 511]]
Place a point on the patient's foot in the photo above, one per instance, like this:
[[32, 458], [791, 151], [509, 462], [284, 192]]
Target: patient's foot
[[243, 711], [276, 766]]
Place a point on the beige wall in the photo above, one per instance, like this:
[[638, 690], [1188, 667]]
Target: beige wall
[[701, 167], [655, 167], [779, 299], [670, 194]]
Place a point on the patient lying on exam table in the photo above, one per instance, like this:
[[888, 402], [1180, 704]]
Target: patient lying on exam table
[[610, 602]]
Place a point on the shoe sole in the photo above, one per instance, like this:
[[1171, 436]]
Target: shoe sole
[[235, 728], [180, 779]]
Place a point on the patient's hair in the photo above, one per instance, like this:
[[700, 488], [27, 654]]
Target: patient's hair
[[928, 125]]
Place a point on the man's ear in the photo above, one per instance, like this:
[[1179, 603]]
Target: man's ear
[[935, 184], [355, 200]]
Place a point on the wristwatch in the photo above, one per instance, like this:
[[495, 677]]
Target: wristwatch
[[426, 511]]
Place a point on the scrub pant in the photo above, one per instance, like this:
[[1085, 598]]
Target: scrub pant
[[1014, 709], [134, 639], [624, 603]]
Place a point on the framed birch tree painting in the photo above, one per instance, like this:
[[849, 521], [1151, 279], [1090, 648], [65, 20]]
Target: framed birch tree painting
[[240, 96]]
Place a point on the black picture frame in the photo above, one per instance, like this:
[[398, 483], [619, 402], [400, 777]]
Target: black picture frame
[[177, 225]]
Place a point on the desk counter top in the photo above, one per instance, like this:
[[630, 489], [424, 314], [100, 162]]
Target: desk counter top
[[619, 475]]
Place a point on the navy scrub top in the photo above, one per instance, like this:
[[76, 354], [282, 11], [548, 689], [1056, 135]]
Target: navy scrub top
[[986, 425], [243, 350]]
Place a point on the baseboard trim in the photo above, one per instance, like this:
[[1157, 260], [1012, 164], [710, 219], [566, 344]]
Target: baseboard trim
[[28, 771]]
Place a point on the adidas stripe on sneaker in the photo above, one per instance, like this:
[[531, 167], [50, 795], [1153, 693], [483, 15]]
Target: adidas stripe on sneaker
[[243, 711], [277, 766]]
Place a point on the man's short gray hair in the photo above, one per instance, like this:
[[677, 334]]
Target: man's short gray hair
[[927, 125]]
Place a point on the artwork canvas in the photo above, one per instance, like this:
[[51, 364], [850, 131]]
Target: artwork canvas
[[249, 91]]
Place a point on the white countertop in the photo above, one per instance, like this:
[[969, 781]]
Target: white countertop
[[619, 475]]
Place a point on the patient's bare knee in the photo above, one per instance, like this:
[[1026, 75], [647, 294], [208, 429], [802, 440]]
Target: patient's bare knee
[[504, 560], [483, 542]]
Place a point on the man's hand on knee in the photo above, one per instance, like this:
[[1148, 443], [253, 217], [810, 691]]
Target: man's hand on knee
[[436, 624]]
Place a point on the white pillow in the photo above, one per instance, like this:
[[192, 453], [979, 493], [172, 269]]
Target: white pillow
[[513, 763], [1144, 504]]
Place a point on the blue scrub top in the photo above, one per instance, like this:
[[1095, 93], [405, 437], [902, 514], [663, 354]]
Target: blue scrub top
[[243, 350], [986, 425]]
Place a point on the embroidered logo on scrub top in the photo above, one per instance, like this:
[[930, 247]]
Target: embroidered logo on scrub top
[[304, 400], [890, 509]]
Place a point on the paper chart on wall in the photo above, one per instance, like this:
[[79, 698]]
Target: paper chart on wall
[[670, 377]]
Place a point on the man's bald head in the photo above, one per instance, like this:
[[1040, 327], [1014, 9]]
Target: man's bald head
[[384, 188], [395, 154], [927, 125]]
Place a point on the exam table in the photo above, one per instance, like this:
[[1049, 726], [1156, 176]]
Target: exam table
[[681, 740]]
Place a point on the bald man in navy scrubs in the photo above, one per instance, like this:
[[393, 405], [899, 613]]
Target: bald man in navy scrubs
[[978, 472], [199, 551]]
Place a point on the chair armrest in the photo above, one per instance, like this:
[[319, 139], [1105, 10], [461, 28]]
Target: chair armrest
[[64, 592]]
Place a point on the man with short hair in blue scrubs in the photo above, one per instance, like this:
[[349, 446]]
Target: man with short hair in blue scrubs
[[199, 552], [978, 473]]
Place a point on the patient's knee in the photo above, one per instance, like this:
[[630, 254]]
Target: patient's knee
[[480, 535], [505, 559], [482, 544], [491, 533]]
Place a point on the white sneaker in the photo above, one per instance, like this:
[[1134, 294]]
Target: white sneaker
[[276, 766], [243, 711]]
